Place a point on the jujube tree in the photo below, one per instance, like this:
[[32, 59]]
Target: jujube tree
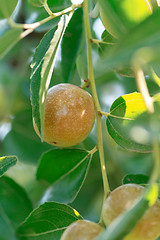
[[69, 71]]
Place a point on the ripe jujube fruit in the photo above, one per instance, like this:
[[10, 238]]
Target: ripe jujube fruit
[[120, 200], [82, 230], [69, 115]]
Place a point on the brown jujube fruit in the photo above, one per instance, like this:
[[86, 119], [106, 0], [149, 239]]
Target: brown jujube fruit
[[69, 115]]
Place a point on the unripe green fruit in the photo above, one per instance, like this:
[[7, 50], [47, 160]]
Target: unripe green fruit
[[69, 115], [130, 12], [82, 230], [120, 200]]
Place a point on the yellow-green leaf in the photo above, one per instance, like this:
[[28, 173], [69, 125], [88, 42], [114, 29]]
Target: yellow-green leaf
[[121, 123], [7, 7]]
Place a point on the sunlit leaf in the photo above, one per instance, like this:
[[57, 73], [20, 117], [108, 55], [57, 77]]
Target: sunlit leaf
[[127, 108], [134, 15], [48, 66], [36, 66]]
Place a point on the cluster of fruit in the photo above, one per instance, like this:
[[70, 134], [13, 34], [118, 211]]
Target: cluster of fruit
[[69, 118], [119, 201]]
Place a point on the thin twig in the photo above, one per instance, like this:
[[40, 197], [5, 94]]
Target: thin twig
[[96, 101]]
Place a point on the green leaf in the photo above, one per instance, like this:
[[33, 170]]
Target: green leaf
[[7, 7], [47, 222], [14, 207], [125, 71], [8, 40], [42, 69], [48, 66], [48, 25], [107, 42], [111, 18], [36, 66], [126, 221], [66, 189], [4, 26], [58, 162], [127, 107], [135, 178], [67, 169], [81, 61], [145, 34], [22, 140], [71, 43], [58, 5], [95, 12], [81, 64], [37, 3], [7, 162], [120, 16]]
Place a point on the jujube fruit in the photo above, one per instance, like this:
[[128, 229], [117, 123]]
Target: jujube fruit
[[120, 200], [82, 230], [69, 115]]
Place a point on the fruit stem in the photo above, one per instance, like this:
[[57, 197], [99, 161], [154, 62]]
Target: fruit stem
[[95, 98]]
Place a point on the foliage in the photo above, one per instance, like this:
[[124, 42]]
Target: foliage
[[109, 48]]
